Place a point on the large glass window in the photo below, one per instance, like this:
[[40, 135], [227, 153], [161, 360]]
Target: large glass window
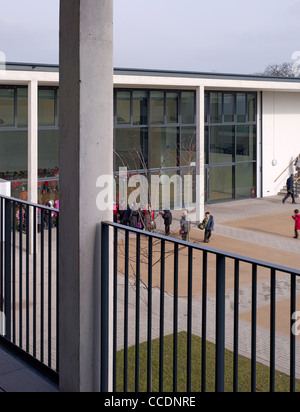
[[123, 108], [163, 147], [188, 147], [216, 102], [229, 108], [172, 107], [245, 180], [188, 107], [241, 107], [155, 134], [140, 107], [221, 183], [7, 107], [222, 144], [245, 143], [157, 108], [230, 150], [46, 107], [13, 160], [131, 148], [22, 107]]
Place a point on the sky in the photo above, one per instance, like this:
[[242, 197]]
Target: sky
[[225, 36]]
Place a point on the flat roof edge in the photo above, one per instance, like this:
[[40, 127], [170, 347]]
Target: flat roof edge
[[157, 73]]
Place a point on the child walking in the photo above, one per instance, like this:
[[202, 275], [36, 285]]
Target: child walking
[[296, 217]]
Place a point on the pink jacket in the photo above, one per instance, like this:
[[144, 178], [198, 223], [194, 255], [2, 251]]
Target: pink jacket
[[297, 222]]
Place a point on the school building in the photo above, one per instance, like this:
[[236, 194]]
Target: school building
[[237, 133]]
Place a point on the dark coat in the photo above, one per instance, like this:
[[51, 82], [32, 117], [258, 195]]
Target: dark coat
[[167, 216], [134, 219], [290, 184]]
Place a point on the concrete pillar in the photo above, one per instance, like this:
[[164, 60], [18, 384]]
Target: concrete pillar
[[86, 153], [32, 142], [200, 168]]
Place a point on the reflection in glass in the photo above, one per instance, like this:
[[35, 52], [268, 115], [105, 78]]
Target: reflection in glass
[[139, 107], [245, 180], [241, 107], [13, 160], [221, 183], [7, 107], [251, 107], [22, 107], [188, 107], [246, 143], [131, 148], [229, 107], [216, 107], [222, 144], [188, 146], [172, 107], [46, 107], [48, 152], [163, 147], [123, 108], [157, 110]]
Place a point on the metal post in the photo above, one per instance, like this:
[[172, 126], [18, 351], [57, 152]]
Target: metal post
[[220, 325], [7, 303], [104, 307]]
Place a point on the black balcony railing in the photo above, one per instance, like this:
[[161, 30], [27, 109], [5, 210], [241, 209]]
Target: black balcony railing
[[28, 281], [162, 286]]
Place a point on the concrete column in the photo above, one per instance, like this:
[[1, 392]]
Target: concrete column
[[32, 142], [200, 183], [86, 153]]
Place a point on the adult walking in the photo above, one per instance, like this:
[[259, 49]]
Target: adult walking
[[290, 190]]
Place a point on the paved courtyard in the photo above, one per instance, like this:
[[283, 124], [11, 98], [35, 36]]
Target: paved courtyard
[[262, 229]]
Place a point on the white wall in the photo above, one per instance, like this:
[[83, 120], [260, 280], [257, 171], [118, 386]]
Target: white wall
[[281, 137]]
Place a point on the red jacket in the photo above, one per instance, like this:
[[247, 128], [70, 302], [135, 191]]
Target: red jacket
[[297, 220]]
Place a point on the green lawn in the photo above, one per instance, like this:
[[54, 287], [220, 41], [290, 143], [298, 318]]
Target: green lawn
[[263, 372]]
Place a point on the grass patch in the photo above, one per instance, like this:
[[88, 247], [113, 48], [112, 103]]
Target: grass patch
[[263, 372]]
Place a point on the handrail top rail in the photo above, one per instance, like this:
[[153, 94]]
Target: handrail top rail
[[229, 255], [287, 168], [25, 202]]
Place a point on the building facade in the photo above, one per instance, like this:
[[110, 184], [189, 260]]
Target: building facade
[[232, 135]]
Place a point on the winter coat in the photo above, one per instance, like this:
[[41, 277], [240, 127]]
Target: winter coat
[[290, 184], [210, 224], [167, 216], [134, 219], [297, 222], [185, 225]]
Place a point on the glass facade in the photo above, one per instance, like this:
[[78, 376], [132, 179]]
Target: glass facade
[[230, 145], [14, 141], [155, 135]]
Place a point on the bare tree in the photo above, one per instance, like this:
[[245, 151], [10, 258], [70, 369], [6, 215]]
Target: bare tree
[[279, 70]]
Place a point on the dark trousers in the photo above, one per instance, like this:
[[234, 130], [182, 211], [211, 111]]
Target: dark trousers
[[167, 230], [296, 234], [207, 236], [290, 193]]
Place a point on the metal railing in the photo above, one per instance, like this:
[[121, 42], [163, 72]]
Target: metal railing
[[163, 286], [29, 280]]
